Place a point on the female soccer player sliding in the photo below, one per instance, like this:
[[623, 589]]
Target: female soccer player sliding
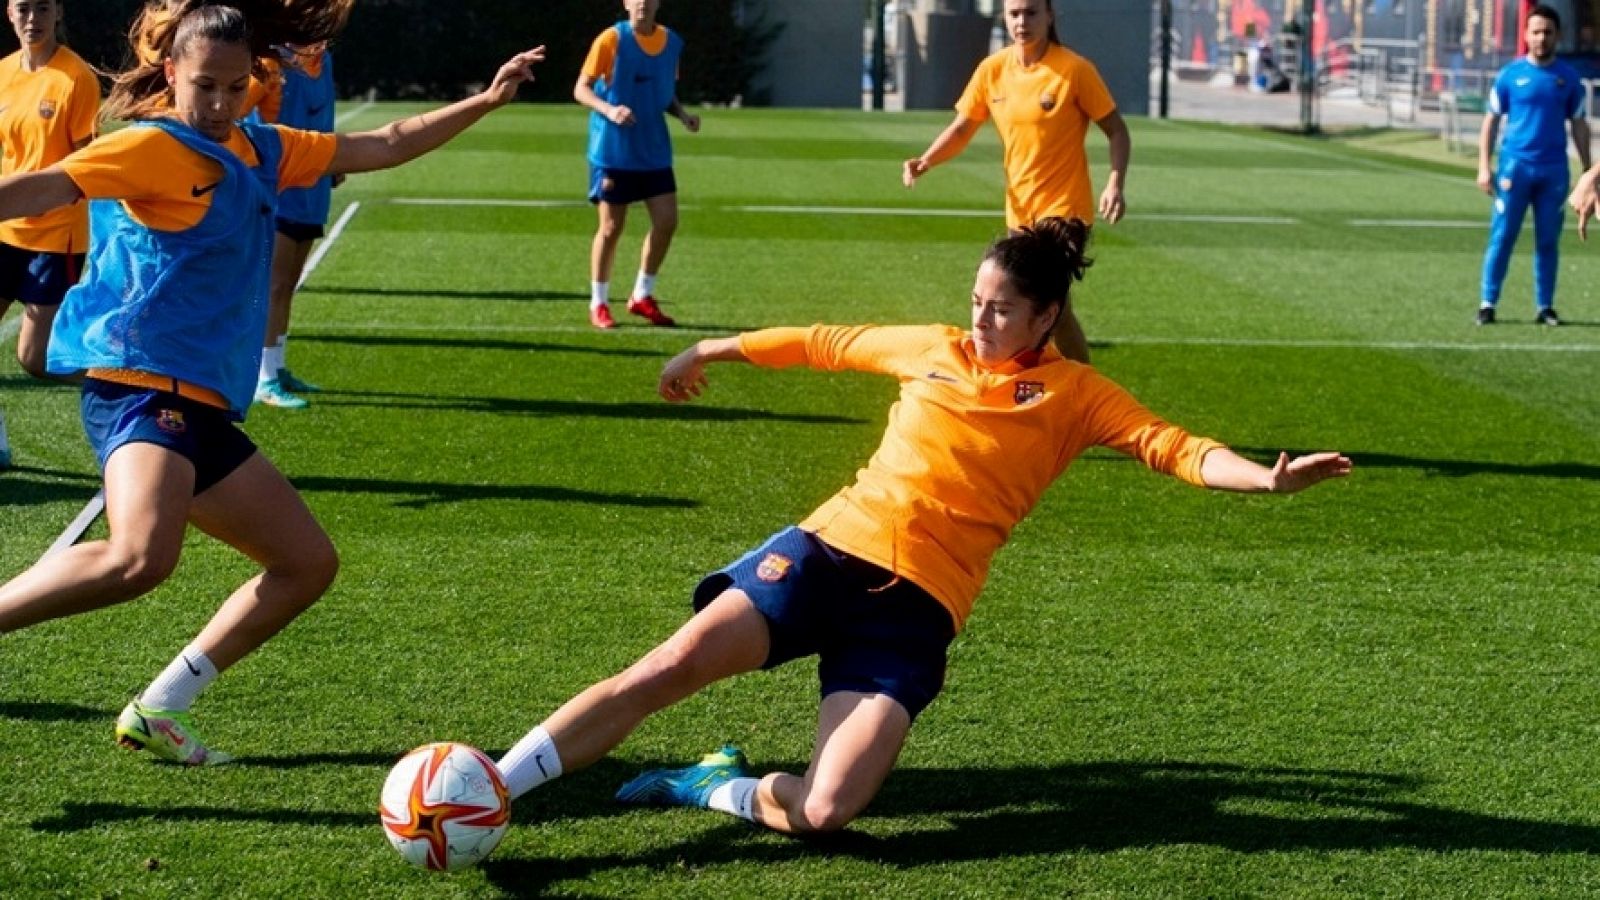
[[877, 581], [167, 324]]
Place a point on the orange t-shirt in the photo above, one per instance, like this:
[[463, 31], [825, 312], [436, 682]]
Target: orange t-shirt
[[265, 94], [1042, 112], [44, 115], [163, 184], [968, 451], [603, 52]]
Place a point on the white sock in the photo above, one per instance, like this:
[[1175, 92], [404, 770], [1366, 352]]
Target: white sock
[[178, 684], [736, 797], [645, 286], [271, 362], [599, 293], [532, 762]]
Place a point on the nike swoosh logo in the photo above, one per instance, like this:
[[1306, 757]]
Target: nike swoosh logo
[[192, 669], [202, 190], [998, 100], [640, 79], [1523, 82], [315, 110], [938, 376]]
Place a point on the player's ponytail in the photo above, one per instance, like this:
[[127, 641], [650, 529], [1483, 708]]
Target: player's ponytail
[[165, 29], [1043, 260]]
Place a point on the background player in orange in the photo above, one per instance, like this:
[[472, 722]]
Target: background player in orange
[[878, 580], [1041, 97], [629, 82], [49, 98], [167, 326], [302, 96]]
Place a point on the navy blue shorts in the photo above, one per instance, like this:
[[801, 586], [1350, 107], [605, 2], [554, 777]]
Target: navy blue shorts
[[872, 633], [115, 415], [36, 277], [299, 231], [623, 186]]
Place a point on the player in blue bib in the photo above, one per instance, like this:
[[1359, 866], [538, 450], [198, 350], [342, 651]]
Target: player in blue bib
[[1540, 99], [629, 82]]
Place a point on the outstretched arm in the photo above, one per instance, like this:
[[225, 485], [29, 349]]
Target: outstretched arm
[[947, 145], [1584, 200], [1112, 205], [684, 376], [407, 139], [1224, 470], [36, 193]]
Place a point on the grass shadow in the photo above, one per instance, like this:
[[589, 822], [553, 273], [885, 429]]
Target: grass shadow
[[75, 817], [1099, 808], [442, 293], [45, 711], [1448, 468], [34, 486], [513, 406], [423, 494], [434, 342]]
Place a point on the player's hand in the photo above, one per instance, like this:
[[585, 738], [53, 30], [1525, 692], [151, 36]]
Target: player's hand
[[691, 122], [620, 115], [1584, 201], [912, 170], [683, 377], [1112, 205], [1292, 475], [1486, 181], [517, 70]]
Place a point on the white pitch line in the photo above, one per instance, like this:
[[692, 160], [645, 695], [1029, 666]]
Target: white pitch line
[[1418, 223], [327, 244], [871, 211], [485, 201], [1217, 220], [333, 328], [349, 114]]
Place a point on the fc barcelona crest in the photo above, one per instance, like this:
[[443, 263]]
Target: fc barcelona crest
[[171, 421], [1047, 102], [1029, 391], [47, 109], [774, 567]]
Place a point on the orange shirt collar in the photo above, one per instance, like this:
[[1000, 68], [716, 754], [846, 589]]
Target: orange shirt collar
[[1027, 359]]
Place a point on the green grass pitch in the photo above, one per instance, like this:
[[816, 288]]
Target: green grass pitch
[[1386, 686]]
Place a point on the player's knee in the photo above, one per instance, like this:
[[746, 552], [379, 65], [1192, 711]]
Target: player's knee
[[139, 570], [610, 230], [667, 673], [665, 225], [825, 812]]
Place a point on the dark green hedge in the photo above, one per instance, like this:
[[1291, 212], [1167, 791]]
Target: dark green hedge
[[442, 48]]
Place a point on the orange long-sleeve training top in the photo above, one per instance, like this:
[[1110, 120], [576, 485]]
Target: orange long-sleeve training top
[[968, 450]]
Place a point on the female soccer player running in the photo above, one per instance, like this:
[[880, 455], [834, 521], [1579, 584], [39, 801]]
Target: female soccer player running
[[167, 327], [48, 101], [878, 580], [1042, 98]]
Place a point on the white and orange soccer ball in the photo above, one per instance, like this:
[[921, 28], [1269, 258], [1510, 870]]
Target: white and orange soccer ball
[[444, 806]]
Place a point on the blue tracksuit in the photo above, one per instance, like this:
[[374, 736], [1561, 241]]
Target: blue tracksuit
[[1537, 103]]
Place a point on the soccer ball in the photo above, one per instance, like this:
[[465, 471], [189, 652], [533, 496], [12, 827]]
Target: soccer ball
[[444, 806]]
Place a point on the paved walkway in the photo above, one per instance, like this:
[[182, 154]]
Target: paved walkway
[[1199, 100]]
